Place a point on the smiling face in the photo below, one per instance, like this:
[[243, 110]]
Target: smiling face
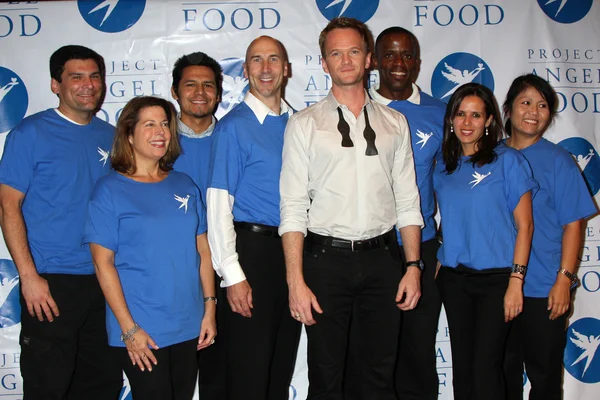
[[80, 89], [398, 64], [529, 114], [470, 122], [151, 136], [345, 59], [196, 93], [265, 68]]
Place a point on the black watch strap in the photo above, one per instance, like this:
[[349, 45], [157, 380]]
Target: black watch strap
[[417, 263]]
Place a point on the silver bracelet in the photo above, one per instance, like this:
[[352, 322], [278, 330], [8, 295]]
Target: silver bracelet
[[129, 334]]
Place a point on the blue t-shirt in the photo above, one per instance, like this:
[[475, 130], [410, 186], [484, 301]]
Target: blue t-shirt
[[56, 163], [563, 198], [246, 162], [194, 160], [426, 122], [152, 229], [476, 207]]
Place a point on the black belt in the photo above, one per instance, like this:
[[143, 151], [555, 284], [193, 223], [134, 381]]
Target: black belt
[[352, 245], [266, 230]]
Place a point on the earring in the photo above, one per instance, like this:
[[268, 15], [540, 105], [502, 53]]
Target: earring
[[486, 131], [451, 128]]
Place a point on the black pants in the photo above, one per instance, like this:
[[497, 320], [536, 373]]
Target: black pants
[[69, 358], [416, 370], [261, 350], [538, 342], [474, 304], [172, 378], [361, 286], [211, 360]]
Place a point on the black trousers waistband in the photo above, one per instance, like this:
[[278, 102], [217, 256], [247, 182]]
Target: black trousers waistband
[[352, 245], [464, 270], [266, 230]]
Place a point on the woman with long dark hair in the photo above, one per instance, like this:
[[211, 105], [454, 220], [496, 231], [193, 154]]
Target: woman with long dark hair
[[484, 192], [537, 336], [147, 233]]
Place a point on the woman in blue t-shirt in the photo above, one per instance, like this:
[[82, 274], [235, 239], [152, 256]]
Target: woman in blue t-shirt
[[147, 233], [537, 336], [484, 194]]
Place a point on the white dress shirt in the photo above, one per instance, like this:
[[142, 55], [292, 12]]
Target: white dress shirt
[[339, 191], [219, 204]]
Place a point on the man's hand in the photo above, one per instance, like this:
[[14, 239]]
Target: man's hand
[[36, 293], [239, 297], [410, 289], [302, 302]]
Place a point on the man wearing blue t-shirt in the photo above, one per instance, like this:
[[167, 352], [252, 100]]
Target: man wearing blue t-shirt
[[397, 58], [243, 215], [197, 88], [51, 162]]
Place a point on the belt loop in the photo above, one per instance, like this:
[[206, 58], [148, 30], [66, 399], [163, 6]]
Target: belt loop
[[352, 244]]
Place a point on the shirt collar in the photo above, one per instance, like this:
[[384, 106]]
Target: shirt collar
[[67, 118], [185, 130], [333, 104], [414, 98], [260, 109]]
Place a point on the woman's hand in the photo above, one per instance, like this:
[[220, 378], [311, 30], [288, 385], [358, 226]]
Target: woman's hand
[[559, 297], [513, 298], [208, 328], [139, 352]]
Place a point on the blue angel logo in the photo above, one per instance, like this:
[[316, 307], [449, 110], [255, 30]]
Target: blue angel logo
[[581, 351], [10, 310], [478, 178], [362, 10], [424, 137], [103, 156], [457, 69], [183, 201], [589, 345], [344, 7], [111, 15], [13, 99], [565, 11], [110, 7]]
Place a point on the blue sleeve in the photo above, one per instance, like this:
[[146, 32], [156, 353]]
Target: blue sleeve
[[572, 199], [519, 178], [201, 210], [101, 226], [17, 165], [226, 166]]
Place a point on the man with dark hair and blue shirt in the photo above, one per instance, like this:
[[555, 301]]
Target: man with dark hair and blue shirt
[[197, 88], [51, 162], [260, 336], [397, 58]]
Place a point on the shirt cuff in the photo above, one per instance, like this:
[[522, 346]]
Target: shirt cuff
[[408, 220], [285, 228], [232, 274]]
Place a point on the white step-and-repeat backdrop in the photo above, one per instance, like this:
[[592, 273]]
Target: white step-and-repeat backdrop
[[488, 41]]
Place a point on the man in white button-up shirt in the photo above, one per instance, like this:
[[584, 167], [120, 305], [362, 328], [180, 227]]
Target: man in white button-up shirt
[[261, 337], [348, 161]]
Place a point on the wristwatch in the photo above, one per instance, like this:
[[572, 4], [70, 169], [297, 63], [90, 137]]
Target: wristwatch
[[417, 263], [572, 277]]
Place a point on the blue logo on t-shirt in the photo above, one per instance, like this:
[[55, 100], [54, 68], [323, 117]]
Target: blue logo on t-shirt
[[13, 99], [10, 309], [457, 69], [111, 16], [362, 10], [126, 391], [566, 11], [582, 359], [235, 85], [588, 160]]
